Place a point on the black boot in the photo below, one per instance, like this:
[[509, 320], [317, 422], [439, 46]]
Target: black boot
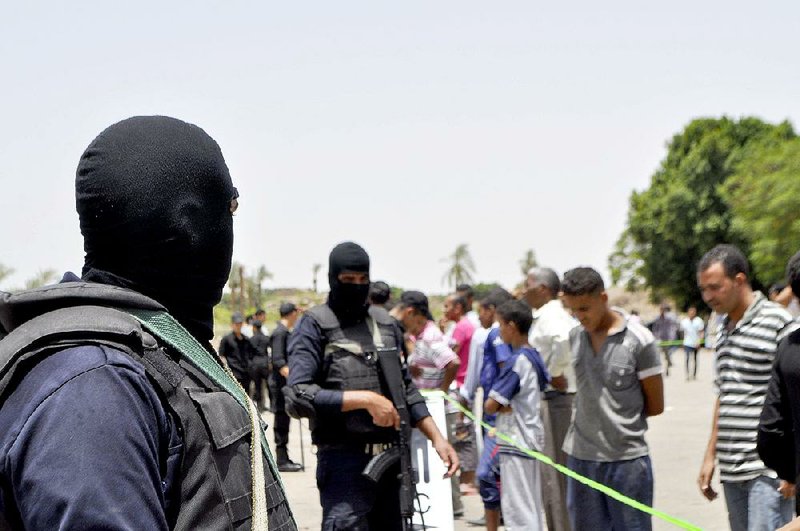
[[284, 463]]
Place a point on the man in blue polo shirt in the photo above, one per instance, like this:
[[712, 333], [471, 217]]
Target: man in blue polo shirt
[[487, 363]]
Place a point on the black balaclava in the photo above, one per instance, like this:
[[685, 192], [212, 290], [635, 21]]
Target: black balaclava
[[153, 196], [348, 301]]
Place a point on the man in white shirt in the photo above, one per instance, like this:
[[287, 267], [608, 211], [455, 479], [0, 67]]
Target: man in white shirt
[[550, 336], [693, 328]]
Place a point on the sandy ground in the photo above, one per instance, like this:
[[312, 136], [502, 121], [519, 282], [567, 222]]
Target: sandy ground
[[677, 440]]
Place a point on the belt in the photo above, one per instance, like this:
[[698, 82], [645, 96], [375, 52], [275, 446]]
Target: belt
[[370, 449], [553, 393]]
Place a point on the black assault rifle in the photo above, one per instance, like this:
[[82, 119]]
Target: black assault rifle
[[389, 363]]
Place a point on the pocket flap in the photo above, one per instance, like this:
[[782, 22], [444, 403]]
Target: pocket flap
[[226, 420]]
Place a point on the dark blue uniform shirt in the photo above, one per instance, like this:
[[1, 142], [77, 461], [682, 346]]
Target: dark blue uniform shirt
[[306, 367], [86, 444]]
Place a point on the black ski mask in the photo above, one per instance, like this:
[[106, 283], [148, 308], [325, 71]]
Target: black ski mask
[[154, 196], [348, 301]]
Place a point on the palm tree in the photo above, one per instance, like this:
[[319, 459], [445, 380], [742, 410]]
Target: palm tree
[[315, 270], [528, 261], [461, 267], [235, 284], [255, 283]]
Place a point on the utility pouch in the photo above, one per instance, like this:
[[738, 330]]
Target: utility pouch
[[300, 400]]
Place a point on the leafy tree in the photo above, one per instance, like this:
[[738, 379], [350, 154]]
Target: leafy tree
[[482, 289], [42, 278], [528, 261], [625, 263], [764, 195], [5, 272], [461, 267], [683, 213]]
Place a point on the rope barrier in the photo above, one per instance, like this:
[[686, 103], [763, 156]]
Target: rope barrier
[[608, 491]]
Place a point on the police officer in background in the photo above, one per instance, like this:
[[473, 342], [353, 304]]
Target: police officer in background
[[353, 419], [280, 370], [259, 367], [237, 351], [115, 411]]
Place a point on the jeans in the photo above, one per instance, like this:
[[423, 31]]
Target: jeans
[[590, 509], [756, 505], [489, 474], [691, 354], [349, 500], [668, 356]]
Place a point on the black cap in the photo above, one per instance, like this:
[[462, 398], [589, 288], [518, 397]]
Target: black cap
[[237, 318], [286, 308], [417, 300]]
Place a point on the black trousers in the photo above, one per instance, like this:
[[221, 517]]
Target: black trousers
[[259, 372], [350, 501], [243, 378], [282, 420]]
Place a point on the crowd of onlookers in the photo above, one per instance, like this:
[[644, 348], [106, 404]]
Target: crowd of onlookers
[[536, 357], [564, 373]]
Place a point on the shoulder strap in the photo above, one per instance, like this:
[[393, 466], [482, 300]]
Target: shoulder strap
[[66, 326], [377, 339], [324, 317], [380, 315], [164, 326]]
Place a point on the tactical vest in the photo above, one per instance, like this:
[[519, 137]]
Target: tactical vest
[[215, 478], [350, 363]]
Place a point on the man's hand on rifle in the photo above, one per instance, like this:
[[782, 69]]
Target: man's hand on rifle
[[379, 407], [383, 412]]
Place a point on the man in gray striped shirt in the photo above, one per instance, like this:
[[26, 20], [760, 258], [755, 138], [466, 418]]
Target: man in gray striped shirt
[[745, 348]]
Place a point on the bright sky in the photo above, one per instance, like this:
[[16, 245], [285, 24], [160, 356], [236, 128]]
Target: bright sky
[[409, 127]]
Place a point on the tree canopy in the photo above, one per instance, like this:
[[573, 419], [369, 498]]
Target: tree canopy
[[764, 196], [685, 211]]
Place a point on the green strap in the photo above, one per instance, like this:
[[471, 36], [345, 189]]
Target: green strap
[[166, 328], [566, 471]]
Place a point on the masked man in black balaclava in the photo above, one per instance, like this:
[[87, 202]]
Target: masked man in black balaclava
[[116, 412], [336, 380]]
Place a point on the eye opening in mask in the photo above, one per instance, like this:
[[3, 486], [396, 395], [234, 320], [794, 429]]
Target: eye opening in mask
[[234, 205]]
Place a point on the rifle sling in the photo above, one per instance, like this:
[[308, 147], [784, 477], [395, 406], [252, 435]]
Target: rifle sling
[[389, 363]]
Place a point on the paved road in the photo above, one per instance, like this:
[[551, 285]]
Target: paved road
[[677, 440]]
